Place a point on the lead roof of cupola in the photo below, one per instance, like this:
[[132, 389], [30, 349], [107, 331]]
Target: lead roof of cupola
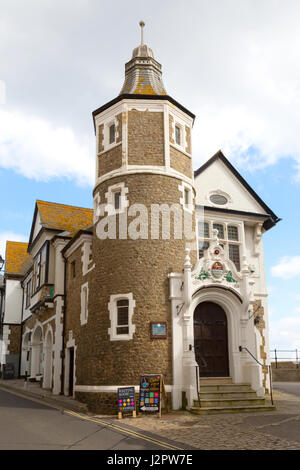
[[143, 73]]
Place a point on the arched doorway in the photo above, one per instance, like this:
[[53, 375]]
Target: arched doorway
[[48, 360], [37, 352], [211, 340], [25, 358]]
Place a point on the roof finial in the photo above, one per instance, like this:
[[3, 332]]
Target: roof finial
[[142, 24]]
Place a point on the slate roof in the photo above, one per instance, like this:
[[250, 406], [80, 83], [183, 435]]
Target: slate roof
[[143, 74], [15, 257], [62, 217]]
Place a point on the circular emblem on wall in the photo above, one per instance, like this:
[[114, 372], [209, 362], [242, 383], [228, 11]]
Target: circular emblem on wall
[[217, 269], [216, 252]]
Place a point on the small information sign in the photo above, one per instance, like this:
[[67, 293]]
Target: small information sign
[[158, 330]]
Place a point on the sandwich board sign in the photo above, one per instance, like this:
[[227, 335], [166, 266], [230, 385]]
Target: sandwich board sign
[[126, 401], [151, 389]]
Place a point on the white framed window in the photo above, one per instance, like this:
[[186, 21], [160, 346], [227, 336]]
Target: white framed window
[[116, 198], [218, 198], [84, 297], [112, 133], [233, 233], [227, 234], [234, 255], [220, 228], [187, 199], [121, 308], [178, 137]]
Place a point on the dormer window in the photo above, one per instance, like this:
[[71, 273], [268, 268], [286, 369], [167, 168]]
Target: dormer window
[[112, 133], [178, 135]]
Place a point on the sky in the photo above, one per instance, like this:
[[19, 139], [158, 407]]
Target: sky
[[235, 64]]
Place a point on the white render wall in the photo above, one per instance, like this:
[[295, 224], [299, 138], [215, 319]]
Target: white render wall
[[217, 177], [13, 301]]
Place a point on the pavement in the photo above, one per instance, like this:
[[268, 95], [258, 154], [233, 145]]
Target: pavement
[[272, 430]]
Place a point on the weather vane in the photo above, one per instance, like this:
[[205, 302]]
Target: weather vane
[[142, 24]]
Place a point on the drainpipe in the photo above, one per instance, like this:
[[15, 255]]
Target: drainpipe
[[20, 355], [64, 329]]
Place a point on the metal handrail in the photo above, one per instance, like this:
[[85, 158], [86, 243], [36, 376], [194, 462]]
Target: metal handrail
[[197, 382], [262, 365]]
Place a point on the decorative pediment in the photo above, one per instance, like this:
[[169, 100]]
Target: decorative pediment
[[216, 268]]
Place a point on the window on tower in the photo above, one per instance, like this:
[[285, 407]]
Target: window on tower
[[121, 308], [122, 317], [177, 135], [186, 197], [112, 133], [117, 200]]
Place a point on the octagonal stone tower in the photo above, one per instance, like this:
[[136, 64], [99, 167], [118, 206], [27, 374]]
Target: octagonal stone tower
[[143, 161]]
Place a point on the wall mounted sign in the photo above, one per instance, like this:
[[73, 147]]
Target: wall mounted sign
[[217, 269], [126, 400], [158, 330]]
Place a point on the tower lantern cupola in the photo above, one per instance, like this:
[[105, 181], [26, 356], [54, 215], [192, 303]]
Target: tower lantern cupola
[[143, 73]]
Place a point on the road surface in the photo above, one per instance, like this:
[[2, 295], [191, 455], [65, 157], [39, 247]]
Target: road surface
[[288, 387], [29, 425]]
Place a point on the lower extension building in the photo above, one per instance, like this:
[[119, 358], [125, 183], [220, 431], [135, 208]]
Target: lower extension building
[[165, 275]]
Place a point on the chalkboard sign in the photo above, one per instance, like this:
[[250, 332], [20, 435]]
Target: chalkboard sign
[[126, 399], [150, 388], [8, 371]]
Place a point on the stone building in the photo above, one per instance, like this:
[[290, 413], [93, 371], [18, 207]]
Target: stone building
[[165, 249]]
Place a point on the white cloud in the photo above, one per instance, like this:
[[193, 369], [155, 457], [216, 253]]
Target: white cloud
[[10, 236], [285, 333], [39, 150], [234, 64], [287, 268]]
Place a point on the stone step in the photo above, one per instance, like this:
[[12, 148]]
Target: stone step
[[227, 395], [215, 380], [225, 388], [231, 403], [233, 409]]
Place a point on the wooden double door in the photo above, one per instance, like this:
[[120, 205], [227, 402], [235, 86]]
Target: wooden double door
[[211, 340]]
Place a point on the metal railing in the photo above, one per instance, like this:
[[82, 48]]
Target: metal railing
[[241, 348], [198, 384], [284, 361]]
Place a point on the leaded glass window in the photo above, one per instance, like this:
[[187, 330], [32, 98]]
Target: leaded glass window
[[234, 255], [122, 317], [233, 233], [202, 247], [203, 229], [220, 229]]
